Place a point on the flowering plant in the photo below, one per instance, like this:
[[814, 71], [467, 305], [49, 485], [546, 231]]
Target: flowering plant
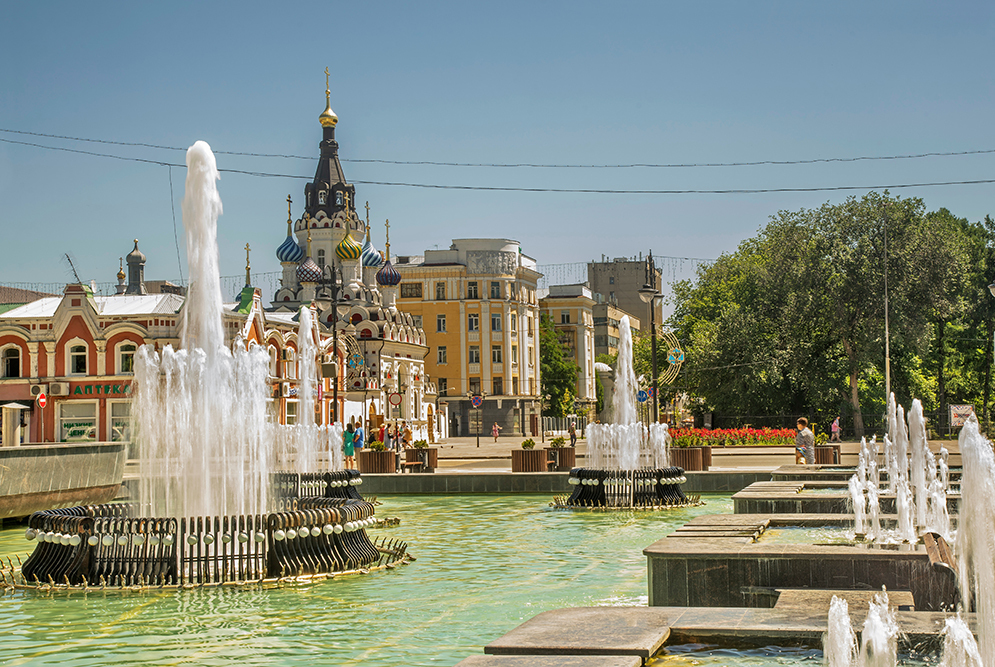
[[698, 437]]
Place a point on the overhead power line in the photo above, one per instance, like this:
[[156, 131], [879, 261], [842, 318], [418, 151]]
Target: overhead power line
[[494, 188], [633, 165]]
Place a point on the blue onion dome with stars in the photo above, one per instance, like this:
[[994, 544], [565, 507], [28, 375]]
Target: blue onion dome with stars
[[308, 271], [371, 256], [348, 248], [388, 275]]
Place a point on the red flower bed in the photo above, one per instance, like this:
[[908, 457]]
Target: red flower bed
[[696, 437]]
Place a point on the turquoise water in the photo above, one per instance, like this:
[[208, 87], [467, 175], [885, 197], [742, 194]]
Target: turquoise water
[[485, 564]]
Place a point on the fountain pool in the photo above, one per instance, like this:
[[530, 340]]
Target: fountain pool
[[485, 564]]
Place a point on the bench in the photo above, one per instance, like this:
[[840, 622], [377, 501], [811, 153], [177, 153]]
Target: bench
[[412, 466], [941, 558]]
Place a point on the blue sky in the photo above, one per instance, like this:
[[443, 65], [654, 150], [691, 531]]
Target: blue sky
[[512, 82]]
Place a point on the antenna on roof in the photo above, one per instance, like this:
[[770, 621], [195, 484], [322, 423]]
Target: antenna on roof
[[73, 267]]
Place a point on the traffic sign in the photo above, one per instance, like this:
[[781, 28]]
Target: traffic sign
[[642, 396], [42, 400], [395, 399], [477, 400]]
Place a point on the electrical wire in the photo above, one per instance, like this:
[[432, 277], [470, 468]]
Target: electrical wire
[[634, 165], [493, 188]]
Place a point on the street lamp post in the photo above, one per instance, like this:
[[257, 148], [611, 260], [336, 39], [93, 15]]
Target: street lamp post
[[991, 288], [331, 278], [649, 294]]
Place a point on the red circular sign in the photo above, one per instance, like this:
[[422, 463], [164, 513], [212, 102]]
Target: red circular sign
[[395, 399], [477, 401], [42, 400]]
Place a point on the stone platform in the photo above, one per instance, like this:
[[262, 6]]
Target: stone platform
[[722, 561], [808, 497], [630, 635]]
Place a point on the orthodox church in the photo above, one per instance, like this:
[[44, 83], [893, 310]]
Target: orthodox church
[[330, 265]]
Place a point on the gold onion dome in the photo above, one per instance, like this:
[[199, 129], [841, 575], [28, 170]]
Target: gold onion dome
[[328, 117], [120, 271], [348, 248]]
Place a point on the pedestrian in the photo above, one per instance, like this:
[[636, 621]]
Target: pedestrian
[[495, 430], [348, 446], [572, 431], [359, 435], [382, 434], [835, 431], [804, 443], [405, 435]]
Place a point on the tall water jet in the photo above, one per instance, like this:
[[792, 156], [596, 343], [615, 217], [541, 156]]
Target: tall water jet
[[200, 412], [975, 544], [879, 638], [839, 645], [959, 646]]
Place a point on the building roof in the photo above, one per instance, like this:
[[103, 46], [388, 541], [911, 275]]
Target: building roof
[[17, 295], [125, 304]]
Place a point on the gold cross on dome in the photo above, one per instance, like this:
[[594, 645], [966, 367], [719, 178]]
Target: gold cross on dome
[[326, 80], [345, 198], [289, 214], [367, 214]]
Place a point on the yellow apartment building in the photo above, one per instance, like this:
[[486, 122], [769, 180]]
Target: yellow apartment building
[[478, 307]]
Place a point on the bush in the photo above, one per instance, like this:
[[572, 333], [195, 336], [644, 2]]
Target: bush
[[557, 442], [377, 446], [529, 444], [420, 444]]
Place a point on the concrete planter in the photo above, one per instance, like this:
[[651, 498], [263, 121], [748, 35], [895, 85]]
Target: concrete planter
[[689, 458], [528, 460], [429, 457], [371, 461], [565, 457]]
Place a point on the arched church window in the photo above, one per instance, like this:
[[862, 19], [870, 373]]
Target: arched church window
[[321, 258], [322, 197], [338, 199]]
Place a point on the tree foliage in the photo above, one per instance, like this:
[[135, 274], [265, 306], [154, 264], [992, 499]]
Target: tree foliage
[[559, 374], [793, 321]]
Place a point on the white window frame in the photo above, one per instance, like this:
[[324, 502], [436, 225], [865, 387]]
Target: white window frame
[[119, 356], [496, 355], [75, 342], [110, 421], [473, 354], [61, 405], [274, 360], [496, 317], [442, 355], [286, 412], [290, 364], [473, 322], [440, 323]]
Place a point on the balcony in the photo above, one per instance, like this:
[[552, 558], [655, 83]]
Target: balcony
[[496, 337], [473, 336], [473, 369]]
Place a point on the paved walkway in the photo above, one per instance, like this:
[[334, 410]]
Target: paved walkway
[[463, 455]]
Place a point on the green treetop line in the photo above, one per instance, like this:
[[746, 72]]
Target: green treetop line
[[792, 322]]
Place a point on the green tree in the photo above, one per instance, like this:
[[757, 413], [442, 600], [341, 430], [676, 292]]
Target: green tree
[[793, 321], [558, 373]]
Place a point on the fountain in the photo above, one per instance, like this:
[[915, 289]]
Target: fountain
[[917, 479], [629, 461], [210, 510]]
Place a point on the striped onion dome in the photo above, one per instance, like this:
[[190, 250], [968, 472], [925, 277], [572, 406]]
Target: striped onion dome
[[388, 275], [289, 251], [308, 271], [348, 248], [371, 256]]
